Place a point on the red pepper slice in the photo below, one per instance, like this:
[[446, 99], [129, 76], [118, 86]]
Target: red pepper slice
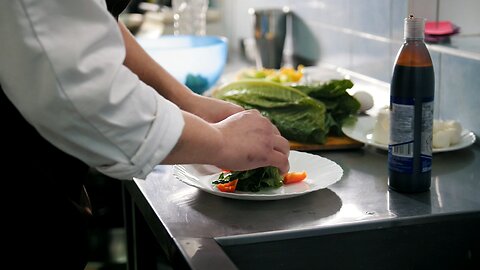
[[294, 177], [228, 187]]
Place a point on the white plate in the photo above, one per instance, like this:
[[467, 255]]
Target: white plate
[[362, 131], [321, 172]]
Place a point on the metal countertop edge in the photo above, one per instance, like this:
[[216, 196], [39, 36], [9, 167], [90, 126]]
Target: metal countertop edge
[[204, 253], [343, 228]]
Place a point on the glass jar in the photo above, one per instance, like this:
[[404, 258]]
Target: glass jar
[[190, 17]]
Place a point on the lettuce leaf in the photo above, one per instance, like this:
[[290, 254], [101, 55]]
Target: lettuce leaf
[[253, 180], [297, 116]]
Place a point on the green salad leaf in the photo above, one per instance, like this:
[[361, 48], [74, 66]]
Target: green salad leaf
[[296, 115], [341, 106], [253, 180], [303, 113], [330, 89]]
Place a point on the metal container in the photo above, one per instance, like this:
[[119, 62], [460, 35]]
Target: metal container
[[270, 27]]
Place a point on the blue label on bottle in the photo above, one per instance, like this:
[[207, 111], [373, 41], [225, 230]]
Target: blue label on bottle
[[401, 146], [403, 164], [426, 163]]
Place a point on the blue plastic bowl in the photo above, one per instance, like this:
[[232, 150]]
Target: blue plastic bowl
[[196, 61]]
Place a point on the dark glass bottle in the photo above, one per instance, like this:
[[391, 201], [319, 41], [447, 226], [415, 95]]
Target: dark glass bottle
[[411, 113]]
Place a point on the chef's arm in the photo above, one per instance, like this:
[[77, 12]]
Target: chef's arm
[[149, 71], [153, 74]]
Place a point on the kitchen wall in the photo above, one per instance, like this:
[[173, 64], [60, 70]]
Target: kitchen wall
[[365, 35]]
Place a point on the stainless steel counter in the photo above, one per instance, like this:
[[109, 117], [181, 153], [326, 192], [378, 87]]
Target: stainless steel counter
[[357, 223], [207, 230]]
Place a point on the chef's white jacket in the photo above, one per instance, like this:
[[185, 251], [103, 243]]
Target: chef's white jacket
[[61, 65]]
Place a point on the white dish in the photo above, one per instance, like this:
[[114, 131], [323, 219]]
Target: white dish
[[362, 131], [321, 172]]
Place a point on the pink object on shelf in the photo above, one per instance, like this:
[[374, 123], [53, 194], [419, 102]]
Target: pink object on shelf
[[439, 28]]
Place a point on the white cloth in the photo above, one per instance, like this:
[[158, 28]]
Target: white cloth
[[61, 65]]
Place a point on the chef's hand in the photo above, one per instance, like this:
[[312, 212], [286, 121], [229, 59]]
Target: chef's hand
[[250, 141], [243, 141]]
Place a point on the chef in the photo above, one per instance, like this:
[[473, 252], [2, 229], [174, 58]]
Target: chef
[[77, 91]]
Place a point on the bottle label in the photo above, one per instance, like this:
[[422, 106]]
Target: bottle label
[[401, 146], [427, 130]]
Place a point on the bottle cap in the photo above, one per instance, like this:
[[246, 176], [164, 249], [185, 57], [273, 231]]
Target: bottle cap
[[414, 28]]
